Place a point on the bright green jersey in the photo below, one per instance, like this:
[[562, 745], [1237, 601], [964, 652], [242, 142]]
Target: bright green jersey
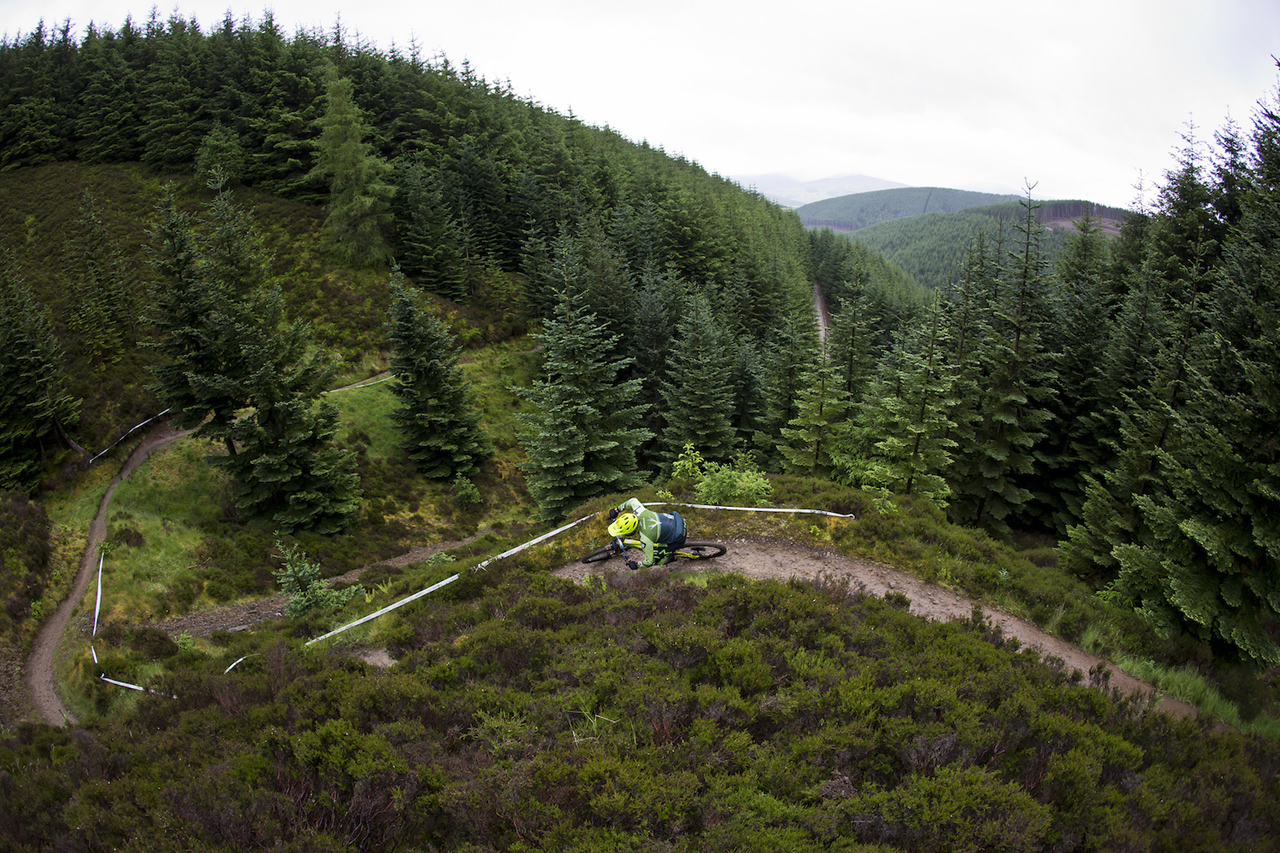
[[655, 528]]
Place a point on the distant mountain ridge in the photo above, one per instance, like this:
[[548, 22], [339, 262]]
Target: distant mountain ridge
[[793, 192], [860, 210]]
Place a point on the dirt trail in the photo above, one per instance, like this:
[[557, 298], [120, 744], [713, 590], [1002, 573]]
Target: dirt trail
[[751, 558], [39, 674], [784, 560]]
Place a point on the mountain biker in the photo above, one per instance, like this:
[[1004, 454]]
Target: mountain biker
[[661, 533]]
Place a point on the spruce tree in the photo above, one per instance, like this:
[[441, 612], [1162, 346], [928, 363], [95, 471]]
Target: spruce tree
[[1083, 310], [428, 240], [108, 111], [808, 441], [582, 433], [901, 439], [996, 465], [285, 465], [358, 209], [35, 408], [696, 386], [437, 418], [785, 356], [197, 308], [653, 317], [102, 307], [229, 348], [1207, 565]]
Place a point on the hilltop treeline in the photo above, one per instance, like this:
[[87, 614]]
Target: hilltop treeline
[[926, 232], [478, 196], [859, 210], [479, 174]]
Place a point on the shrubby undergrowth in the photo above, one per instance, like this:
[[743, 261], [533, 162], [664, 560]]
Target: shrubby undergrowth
[[641, 712]]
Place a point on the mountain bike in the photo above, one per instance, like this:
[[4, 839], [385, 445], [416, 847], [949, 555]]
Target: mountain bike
[[688, 551]]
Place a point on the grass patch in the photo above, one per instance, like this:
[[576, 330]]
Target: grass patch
[[365, 414], [155, 529], [1190, 686]]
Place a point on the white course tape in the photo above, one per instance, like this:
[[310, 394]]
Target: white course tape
[[362, 385], [386, 609], [233, 666], [531, 542], [97, 604], [760, 509], [134, 687], [131, 431], [543, 538]]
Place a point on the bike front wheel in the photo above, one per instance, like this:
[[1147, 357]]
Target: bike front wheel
[[700, 550], [598, 555]]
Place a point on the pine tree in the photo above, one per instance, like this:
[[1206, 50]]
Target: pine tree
[[808, 441], [903, 428], [35, 408], [1206, 565], [996, 466], [358, 209], [285, 465], [582, 434], [437, 418], [696, 387]]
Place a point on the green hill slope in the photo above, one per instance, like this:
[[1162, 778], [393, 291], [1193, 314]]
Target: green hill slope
[[931, 246], [860, 210]]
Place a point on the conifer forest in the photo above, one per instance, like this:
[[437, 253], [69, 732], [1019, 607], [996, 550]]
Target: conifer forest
[[294, 326]]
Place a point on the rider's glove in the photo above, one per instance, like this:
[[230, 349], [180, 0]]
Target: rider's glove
[[613, 514], [617, 545], [632, 565]]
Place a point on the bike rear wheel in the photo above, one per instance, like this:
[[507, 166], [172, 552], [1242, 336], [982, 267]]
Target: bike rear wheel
[[700, 550]]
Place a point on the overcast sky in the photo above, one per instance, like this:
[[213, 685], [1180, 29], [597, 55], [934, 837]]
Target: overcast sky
[[1081, 98]]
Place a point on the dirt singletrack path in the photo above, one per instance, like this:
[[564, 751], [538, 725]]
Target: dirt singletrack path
[[784, 560], [748, 557], [40, 664]]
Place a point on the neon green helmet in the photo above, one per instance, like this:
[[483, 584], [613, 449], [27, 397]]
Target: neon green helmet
[[624, 525]]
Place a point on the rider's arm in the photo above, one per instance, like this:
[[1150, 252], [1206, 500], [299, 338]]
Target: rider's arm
[[631, 504]]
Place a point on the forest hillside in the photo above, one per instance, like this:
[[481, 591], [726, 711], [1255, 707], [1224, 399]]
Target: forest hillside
[[400, 329]]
